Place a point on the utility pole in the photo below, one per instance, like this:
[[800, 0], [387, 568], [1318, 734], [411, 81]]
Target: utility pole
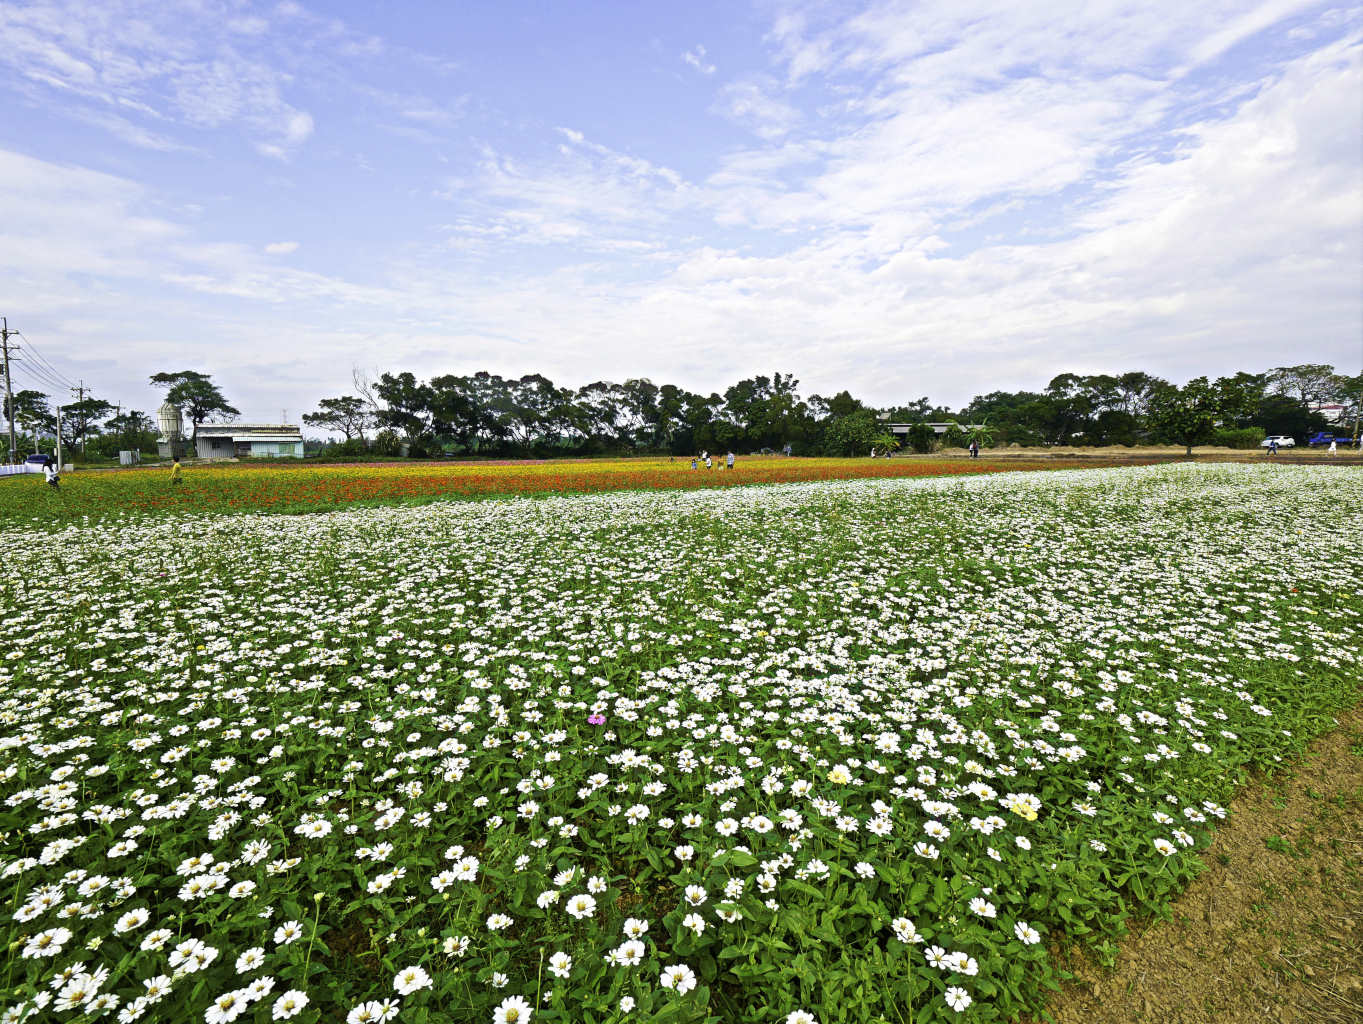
[[80, 397], [9, 391]]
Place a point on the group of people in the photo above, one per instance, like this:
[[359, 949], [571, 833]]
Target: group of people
[[704, 457]]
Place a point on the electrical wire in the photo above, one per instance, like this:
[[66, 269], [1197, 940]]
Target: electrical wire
[[38, 376], [33, 350], [39, 373]]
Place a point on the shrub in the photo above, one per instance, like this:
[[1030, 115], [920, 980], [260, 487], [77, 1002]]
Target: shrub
[[920, 438], [387, 444], [1242, 437]]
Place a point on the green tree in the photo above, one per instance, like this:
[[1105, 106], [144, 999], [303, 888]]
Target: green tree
[[83, 417], [407, 405], [1308, 383], [196, 396], [854, 434], [843, 404], [131, 431], [920, 438], [30, 412], [1284, 415], [1350, 390], [981, 433], [348, 415], [1189, 415]]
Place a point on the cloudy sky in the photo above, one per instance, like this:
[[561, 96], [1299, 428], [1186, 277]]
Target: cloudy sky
[[937, 198]]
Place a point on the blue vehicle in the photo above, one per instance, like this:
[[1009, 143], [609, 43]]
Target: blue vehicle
[[1325, 437], [40, 460]]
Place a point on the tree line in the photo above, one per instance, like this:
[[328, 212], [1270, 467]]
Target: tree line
[[488, 415], [484, 413]]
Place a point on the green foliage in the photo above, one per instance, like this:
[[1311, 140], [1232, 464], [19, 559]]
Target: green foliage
[[30, 411], [981, 433], [486, 414], [1284, 415], [387, 444], [853, 434], [1189, 415], [1242, 437], [196, 395], [921, 438], [347, 415]]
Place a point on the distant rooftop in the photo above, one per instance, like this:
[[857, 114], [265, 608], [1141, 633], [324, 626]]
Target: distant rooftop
[[229, 429]]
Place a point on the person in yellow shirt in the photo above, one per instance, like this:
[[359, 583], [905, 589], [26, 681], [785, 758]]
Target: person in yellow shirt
[[176, 474]]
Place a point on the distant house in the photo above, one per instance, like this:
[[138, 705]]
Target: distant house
[[902, 429], [1331, 412], [248, 440]]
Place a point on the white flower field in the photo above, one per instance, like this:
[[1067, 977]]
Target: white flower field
[[856, 751]]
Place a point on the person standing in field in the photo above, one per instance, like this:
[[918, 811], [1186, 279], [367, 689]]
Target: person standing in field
[[693, 462], [974, 448], [1333, 449], [708, 463], [1272, 447], [53, 478], [176, 474], [729, 460]]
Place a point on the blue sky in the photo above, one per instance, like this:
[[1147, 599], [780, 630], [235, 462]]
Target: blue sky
[[899, 198]]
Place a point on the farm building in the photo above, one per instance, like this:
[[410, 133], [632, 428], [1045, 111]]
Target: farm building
[[1331, 412], [246, 440], [901, 430]]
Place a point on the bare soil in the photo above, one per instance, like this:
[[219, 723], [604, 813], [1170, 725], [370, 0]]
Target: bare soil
[[1272, 931], [1116, 454]]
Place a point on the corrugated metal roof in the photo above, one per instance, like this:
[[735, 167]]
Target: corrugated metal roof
[[246, 431]]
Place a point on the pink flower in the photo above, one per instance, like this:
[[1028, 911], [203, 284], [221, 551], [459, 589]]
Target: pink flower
[[596, 719]]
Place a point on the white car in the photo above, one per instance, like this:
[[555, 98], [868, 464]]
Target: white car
[[1283, 441]]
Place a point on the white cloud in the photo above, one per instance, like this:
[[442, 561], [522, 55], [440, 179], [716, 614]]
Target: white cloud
[[176, 64], [589, 195], [297, 127], [696, 58], [1246, 25], [281, 248], [754, 103]]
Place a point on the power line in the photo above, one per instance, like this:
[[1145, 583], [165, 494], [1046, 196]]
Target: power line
[[33, 350], [42, 377]]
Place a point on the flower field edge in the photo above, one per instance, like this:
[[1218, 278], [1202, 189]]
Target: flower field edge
[[236, 489]]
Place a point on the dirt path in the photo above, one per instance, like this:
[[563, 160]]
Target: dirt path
[[1141, 454], [1272, 931]]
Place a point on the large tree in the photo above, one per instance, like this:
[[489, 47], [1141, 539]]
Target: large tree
[[84, 416], [29, 412], [348, 415], [196, 396], [1189, 415], [456, 412], [407, 405], [1308, 383]]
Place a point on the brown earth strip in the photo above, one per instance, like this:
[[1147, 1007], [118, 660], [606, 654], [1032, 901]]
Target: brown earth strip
[[1145, 454], [1272, 931]]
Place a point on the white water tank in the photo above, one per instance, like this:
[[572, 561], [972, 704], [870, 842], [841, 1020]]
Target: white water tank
[[172, 424]]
